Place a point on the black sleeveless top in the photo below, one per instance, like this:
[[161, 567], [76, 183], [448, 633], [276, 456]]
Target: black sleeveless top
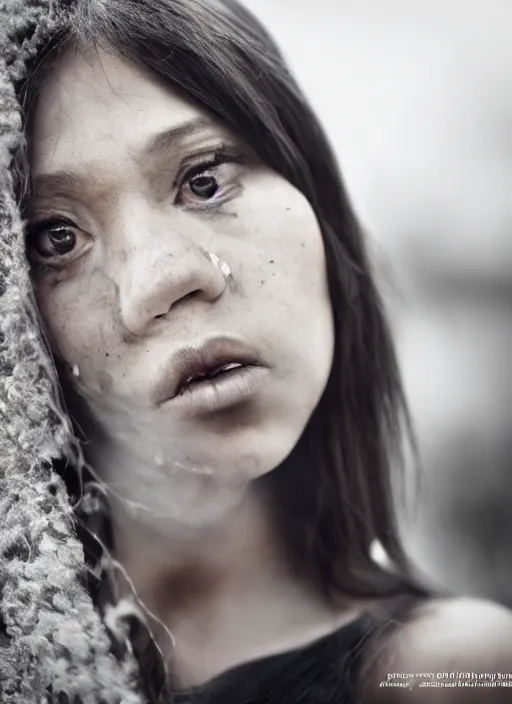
[[323, 672]]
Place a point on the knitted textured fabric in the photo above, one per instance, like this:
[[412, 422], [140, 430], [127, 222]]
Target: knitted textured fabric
[[54, 641]]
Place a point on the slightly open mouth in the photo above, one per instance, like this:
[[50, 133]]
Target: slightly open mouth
[[201, 378]]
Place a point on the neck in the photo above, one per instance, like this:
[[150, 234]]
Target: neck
[[202, 562], [227, 591]]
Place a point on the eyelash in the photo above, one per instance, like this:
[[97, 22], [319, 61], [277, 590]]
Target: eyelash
[[205, 162], [186, 173]]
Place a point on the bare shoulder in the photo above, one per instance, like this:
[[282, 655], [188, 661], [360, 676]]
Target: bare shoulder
[[444, 643]]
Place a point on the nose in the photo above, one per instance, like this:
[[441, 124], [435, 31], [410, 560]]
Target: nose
[[155, 279]]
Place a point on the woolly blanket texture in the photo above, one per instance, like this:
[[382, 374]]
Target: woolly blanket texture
[[54, 641]]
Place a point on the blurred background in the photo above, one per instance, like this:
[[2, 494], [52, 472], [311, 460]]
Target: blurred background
[[416, 96]]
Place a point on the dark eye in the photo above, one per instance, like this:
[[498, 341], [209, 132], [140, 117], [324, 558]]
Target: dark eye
[[204, 185], [50, 238], [212, 182]]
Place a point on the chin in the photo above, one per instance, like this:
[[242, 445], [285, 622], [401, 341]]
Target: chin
[[247, 454]]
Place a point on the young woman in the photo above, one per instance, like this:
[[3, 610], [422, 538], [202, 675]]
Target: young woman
[[206, 300]]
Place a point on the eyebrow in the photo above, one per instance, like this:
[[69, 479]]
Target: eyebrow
[[155, 145], [163, 140]]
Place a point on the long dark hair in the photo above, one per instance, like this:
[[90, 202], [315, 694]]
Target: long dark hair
[[333, 495]]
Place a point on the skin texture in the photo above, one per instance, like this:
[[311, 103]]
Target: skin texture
[[138, 286], [200, 547]]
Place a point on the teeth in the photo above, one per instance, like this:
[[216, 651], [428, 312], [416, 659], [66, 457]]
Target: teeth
[[227, 367], [214, 373], [195, 377]]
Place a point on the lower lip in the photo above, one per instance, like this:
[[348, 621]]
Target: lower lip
[[216, 394]]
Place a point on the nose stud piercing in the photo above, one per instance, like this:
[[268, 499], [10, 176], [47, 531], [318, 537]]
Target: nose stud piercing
[[226, 271]]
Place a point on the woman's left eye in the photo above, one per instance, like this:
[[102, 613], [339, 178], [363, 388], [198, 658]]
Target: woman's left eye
[[207, 182]]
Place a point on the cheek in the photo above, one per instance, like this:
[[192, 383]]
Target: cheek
[[289, 248], [289, 287], [76, 318]]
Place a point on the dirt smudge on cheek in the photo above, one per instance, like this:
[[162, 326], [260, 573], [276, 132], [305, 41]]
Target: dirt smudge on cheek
[[106, 382], [85, 331]]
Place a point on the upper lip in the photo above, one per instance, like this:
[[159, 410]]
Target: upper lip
[[205, 358]]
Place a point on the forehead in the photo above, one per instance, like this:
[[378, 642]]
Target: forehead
[[97, 106]]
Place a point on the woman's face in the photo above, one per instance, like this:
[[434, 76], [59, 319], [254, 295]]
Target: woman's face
[[128, 280]]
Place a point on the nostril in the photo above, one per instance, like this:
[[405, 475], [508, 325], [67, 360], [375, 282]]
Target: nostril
[[192, 294]]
